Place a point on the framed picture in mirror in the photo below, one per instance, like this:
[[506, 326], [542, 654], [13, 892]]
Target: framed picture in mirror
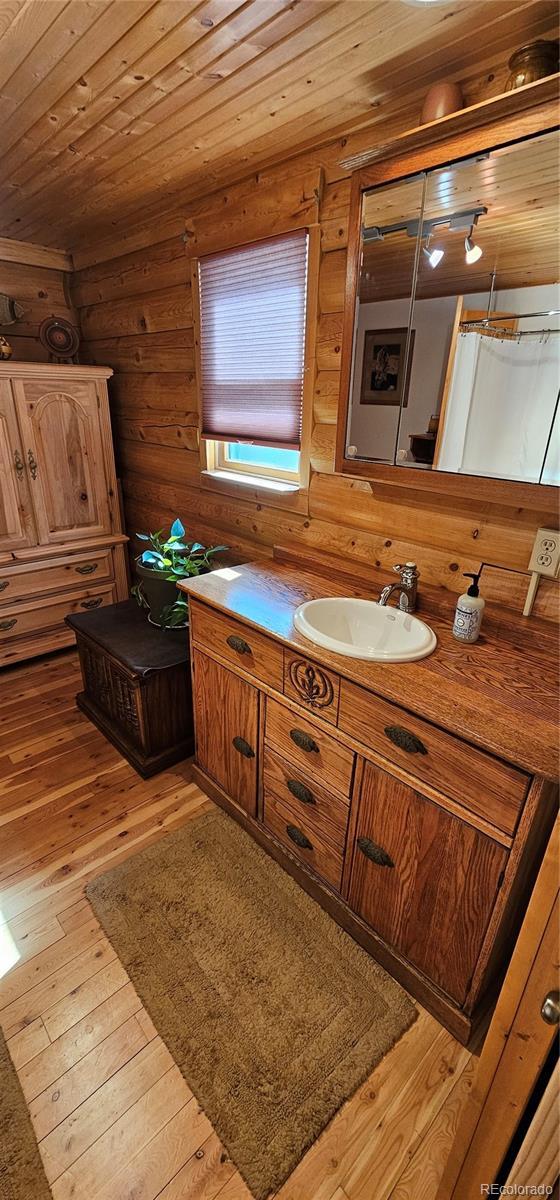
[[386, 366]]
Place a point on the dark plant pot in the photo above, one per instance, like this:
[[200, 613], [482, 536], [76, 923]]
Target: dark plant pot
[[159, 593]]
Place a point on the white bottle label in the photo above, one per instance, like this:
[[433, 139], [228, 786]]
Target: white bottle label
[[466, 626]]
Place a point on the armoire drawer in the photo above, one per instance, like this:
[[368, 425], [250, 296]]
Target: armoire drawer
[[53, 575], [48, 614], [321, 808], [303, 839], [237, 643], [482, 784], [309, 748]]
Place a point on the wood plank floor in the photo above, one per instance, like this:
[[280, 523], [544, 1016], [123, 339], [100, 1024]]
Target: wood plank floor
[[114, 1118]]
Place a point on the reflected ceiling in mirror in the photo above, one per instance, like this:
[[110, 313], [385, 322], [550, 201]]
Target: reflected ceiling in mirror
[[456, 341]]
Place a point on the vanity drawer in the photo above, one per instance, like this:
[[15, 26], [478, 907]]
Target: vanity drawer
[[483, 784], [237, 643], [309, 748], [52, 575], [309, 684], [303, 839], [322, 809]]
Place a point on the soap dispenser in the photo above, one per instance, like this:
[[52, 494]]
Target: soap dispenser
[[469, 611]]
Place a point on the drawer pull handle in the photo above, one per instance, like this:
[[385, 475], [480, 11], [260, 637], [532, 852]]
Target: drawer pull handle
[[97, 600], [243, 747], [375, 853], [300, 791], [9, 624], [405, 740], [3, 584], [238, 643], [32, 464], [303, 741], [87, 569], [19, 465], [298, 837]]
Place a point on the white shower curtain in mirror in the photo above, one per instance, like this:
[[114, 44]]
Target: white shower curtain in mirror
[[501, 407]]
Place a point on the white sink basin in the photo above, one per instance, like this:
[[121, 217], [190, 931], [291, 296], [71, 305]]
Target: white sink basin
[[364, 629]]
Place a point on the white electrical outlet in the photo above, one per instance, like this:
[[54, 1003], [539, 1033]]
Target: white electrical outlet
[[545, 558]]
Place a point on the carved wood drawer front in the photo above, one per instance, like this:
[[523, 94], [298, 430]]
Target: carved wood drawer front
[[237, 643], [306, 841], [49, 613], [311, 685], [311, 749], [21, 582], [322, 809], [481, 783]]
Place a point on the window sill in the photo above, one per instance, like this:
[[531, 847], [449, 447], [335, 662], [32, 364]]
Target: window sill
[[254, 481]]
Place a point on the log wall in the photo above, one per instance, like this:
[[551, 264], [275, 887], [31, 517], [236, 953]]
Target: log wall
[[136, 314]]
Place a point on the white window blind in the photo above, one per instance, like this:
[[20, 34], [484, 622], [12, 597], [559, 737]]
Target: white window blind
[[252, 341]]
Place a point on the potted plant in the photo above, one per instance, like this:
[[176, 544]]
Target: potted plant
[[169, 559]]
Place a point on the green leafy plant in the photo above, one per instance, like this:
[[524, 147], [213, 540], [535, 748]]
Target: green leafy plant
[[174, 557], [171, 558]]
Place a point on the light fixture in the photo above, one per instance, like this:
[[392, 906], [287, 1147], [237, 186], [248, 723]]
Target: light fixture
[[434, 256], [472, 251]]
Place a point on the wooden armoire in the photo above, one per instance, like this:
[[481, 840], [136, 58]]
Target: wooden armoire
[[62, 549]]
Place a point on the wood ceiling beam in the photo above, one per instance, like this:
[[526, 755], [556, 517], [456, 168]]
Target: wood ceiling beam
[[31, 255]]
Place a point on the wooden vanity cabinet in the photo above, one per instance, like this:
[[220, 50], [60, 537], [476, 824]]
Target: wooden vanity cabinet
[[226, 712], [422, 846], [424, 880]]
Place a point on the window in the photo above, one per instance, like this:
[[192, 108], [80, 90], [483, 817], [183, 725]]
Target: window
[[253, 303]]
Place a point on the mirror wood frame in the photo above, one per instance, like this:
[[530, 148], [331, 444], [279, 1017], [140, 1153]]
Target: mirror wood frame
[[471, 131]]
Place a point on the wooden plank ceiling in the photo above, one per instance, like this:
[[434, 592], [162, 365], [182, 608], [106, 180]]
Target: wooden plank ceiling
[[109, 106], [518, 235]]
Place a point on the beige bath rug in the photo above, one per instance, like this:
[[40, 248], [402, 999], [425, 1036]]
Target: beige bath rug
[[273, 1014]]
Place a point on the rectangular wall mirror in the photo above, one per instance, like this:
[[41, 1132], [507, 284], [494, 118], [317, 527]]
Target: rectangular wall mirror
[[456, 339]]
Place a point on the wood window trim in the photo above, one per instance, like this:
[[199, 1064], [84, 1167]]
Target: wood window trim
[[210, 478], [462, 140]]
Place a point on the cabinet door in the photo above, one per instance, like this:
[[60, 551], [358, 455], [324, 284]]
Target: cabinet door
[[16, 522], [423, 879], [63, 450], [226, 723]]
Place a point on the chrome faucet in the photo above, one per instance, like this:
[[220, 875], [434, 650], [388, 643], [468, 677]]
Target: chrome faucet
[[407, 587]]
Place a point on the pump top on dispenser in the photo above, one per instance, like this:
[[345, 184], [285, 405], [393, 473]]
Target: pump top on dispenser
[[469, 611]]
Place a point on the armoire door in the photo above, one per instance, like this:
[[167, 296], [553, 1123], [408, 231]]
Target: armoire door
[[425, 880], [63, 452], [16, 522]]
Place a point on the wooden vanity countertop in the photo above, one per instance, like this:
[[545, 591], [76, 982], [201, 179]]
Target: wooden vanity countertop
[[500, 693]]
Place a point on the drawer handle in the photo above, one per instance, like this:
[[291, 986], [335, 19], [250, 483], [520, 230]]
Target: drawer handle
[[303, 741], [300, 791], [405, 740], [298, 837], [3, 584], [9, 624], [243, 747], [97, 600], [238, 643], [87, 569], [375, 853]]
